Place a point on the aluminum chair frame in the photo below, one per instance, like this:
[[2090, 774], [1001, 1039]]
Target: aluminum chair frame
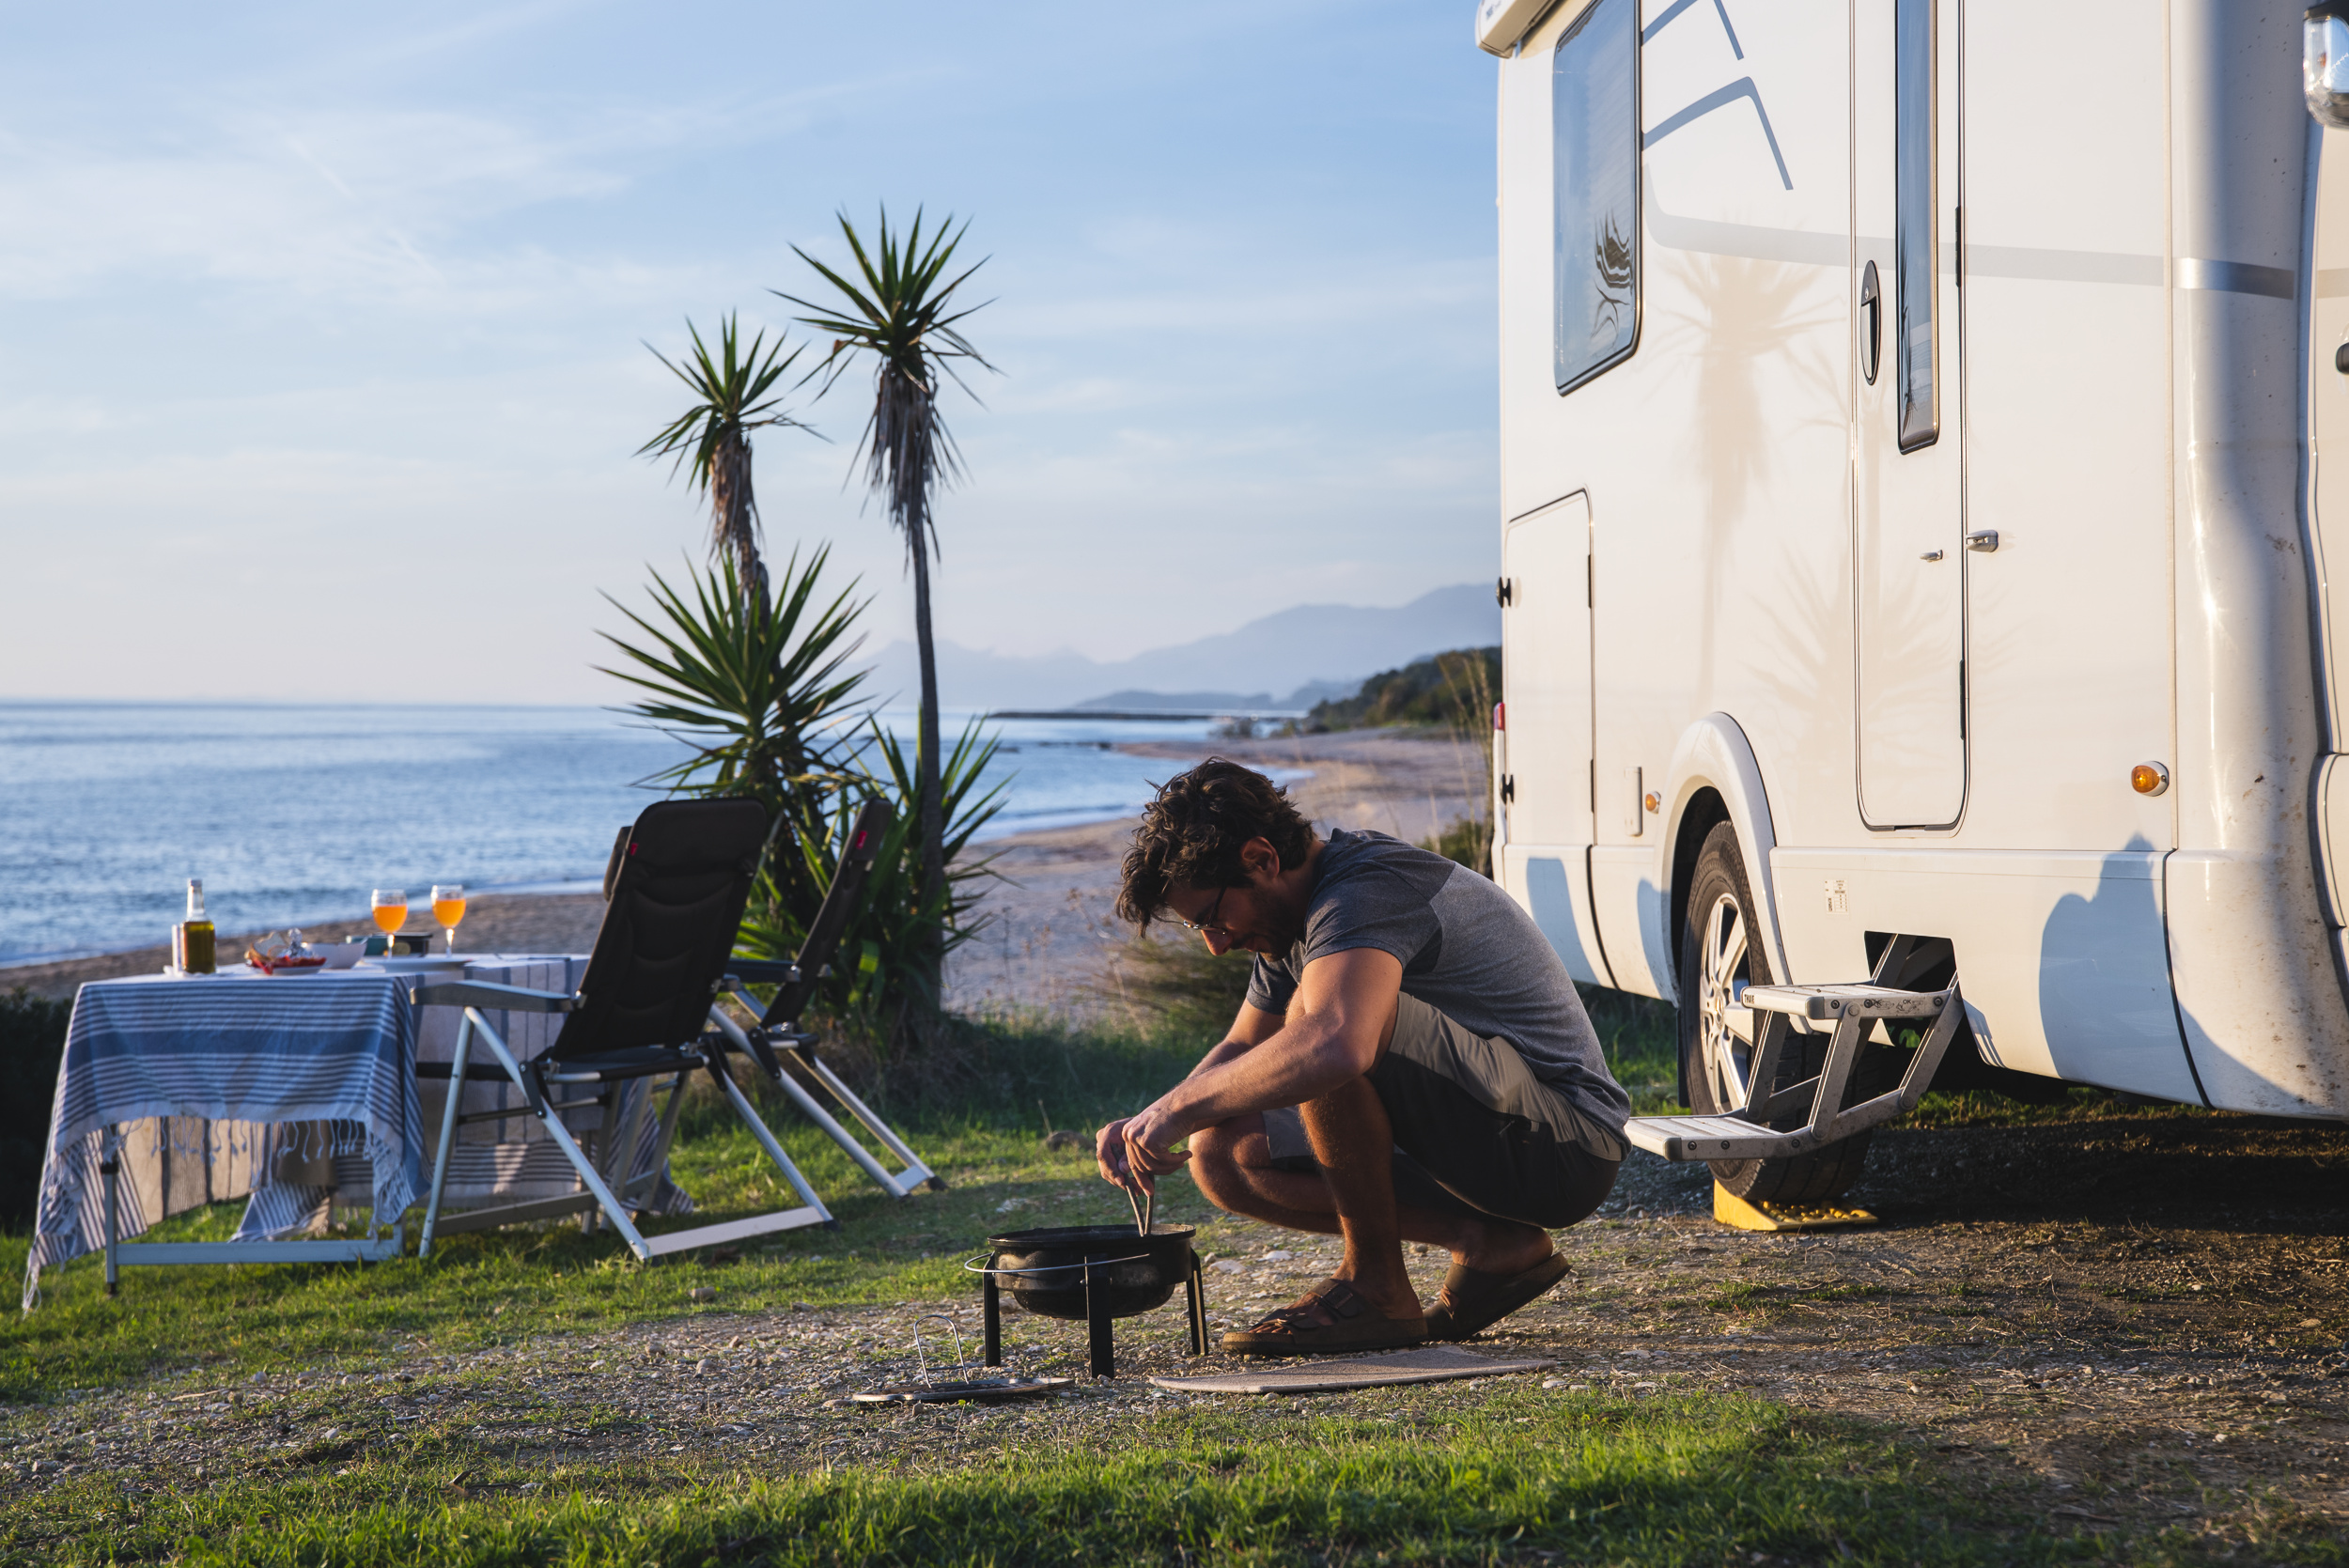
[[534, 1078], [778, 1031], [675, 889]]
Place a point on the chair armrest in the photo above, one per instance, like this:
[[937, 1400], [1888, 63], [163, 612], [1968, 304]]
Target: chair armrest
[[762, 971], [507, 999]]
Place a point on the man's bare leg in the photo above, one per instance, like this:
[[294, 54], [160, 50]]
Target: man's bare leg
[[1354, 1144], [1233, 1166]]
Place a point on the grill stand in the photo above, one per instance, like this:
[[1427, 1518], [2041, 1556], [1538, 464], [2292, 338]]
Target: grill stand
[[1101, 1348]]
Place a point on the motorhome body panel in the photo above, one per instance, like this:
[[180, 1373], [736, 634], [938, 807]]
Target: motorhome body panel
[[2257, 989], [1716, 494], [2126, 375], [1543, 839]]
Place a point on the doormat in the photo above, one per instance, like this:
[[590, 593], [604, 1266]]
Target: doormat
[[1429, 1363]]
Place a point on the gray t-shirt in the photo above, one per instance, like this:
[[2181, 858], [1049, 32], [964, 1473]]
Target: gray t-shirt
[[1467, 951]]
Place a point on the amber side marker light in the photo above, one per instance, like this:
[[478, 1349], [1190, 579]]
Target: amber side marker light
[[2149, 778]]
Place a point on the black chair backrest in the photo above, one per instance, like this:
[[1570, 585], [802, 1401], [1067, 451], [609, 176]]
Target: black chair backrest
[[832, 916], [683, 874]]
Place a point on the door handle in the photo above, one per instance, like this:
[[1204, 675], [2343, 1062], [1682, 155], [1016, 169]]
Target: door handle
[[1986, 540], [1872, 306]]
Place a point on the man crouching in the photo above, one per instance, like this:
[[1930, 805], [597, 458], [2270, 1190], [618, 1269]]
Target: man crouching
[[1411, 1062]]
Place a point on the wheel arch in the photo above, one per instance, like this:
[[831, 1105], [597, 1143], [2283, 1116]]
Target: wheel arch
[[1714, 778]]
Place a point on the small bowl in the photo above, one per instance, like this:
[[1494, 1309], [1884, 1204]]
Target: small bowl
[[338, 956]]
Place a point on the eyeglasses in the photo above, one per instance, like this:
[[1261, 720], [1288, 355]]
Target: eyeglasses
[[1207, 922]]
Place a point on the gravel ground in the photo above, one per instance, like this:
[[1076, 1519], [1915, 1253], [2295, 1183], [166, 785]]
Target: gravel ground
[[2139, 1322]]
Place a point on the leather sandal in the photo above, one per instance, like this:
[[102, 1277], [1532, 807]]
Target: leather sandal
[[1473, 1300], [1354, 1324]]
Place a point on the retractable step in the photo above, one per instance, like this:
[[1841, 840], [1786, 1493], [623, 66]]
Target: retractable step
[[1759, 1130]]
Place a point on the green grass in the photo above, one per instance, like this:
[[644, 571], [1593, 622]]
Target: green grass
[[499, 1287], [1484, 1472], [1679, 1478]]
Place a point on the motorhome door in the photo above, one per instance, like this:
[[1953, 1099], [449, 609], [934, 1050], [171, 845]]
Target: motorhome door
[[1909, 545]]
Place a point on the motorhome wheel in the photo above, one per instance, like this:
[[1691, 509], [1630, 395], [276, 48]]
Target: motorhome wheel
[[1718, 954]]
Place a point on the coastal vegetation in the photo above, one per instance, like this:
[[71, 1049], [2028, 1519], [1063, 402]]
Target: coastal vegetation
[[1449, 691], [899, 314], [712, 440], [758, 687], [750, 675]]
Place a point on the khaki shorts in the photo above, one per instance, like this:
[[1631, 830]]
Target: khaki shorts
[[1474, 1127]]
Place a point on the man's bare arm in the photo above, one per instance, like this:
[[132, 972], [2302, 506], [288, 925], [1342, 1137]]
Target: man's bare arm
[[1251, 1029], [1333, 1034]]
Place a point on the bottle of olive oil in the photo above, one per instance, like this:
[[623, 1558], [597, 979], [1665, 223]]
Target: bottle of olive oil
[[192, 938]]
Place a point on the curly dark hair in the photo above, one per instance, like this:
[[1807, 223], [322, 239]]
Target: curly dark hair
[[1191, 835]]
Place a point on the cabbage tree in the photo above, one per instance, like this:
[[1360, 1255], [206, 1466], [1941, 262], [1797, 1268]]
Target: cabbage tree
[[712, 438], [898, 313]]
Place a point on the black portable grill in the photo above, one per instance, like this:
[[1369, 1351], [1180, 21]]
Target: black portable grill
[[1091, 1273]]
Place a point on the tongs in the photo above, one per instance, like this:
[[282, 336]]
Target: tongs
[[1145, 1205]]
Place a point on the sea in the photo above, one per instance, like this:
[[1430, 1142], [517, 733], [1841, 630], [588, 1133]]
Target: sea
[[293, 813]]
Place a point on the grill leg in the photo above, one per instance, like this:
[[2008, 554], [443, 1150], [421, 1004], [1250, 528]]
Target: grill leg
[[1101, 1352], [1194, 1286], [991, 1314]]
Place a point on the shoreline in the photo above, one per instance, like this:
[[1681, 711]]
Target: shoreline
[[1049, 927]]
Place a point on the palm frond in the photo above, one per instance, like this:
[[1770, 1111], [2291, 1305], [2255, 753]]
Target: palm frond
[[735, 393], [897, 311]]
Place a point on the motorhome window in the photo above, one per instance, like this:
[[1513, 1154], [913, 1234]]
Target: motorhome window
[[1594, 125], [1914, 236]]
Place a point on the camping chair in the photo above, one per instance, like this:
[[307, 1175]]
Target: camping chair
[[795, 983], [677, 883]]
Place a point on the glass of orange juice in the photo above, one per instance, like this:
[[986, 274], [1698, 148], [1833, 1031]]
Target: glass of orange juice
[[390, 907], [448, 908]]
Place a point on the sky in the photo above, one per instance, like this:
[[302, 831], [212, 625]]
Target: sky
[[325, 328]]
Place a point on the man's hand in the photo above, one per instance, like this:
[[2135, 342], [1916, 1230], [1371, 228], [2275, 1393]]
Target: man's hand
[[1150, 1140], [1109, 1152], [1133, 1153]]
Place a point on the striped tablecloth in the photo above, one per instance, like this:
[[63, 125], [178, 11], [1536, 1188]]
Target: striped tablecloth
[[236, 1074], [292, 1092]]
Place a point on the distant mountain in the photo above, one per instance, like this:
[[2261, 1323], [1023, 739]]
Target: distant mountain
[[1193, 701], [1311, 652]]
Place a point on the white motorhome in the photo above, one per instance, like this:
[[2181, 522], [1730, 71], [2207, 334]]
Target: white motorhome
[[1915, 520]]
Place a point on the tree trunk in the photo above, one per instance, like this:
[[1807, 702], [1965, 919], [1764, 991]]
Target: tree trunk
[[931, 959]]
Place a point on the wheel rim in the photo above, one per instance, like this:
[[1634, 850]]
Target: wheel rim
[[1724, 1023]]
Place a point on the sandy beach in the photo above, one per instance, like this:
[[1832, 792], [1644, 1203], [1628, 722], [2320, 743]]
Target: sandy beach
[[1052, 925], [1049, 925]]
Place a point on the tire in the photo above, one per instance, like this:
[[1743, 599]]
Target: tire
[[1716, 1040]]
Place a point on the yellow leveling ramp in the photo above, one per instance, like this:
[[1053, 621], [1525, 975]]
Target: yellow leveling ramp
[[1732, 1210]]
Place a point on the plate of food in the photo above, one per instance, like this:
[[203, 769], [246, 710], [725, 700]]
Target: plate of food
[[283, 952]]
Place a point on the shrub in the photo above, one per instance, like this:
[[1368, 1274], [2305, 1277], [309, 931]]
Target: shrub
[[1177, 984], [877, 987], [32, 1043], [1468, 840], [760, 690]]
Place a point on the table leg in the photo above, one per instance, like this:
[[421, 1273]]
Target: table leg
[[110, 1167]]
